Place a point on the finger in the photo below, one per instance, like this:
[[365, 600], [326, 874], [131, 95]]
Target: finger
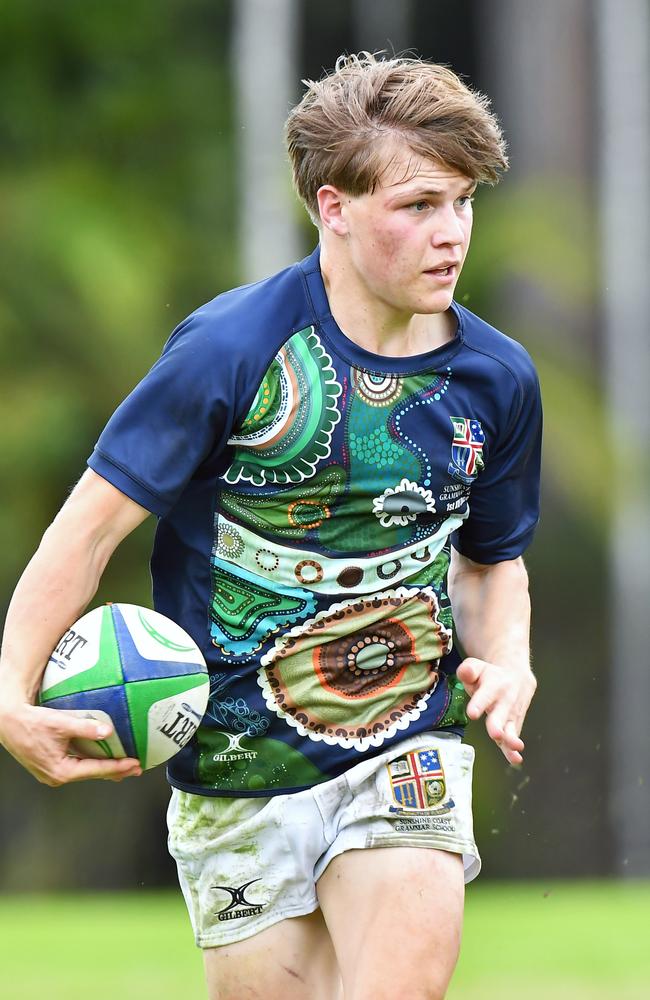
[[73, 726], [502, 731], [481, 703], [512, 737], [512, 756], [511, 745], [495, 725], [469, 672], [82, 768], [486, 697]]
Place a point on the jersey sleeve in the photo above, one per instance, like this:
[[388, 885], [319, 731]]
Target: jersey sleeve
[[504, 500], [177, 417]]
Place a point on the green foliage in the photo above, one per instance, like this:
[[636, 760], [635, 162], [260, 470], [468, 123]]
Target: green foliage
[[117, 199], [535, 243]]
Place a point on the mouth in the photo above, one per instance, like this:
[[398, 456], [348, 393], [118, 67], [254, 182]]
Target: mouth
[[446, 272]]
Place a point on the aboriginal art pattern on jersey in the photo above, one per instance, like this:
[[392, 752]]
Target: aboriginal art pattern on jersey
[[359, 671], [289, 427], [331, 549]]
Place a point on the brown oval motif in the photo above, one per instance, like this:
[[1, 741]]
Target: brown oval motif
[[351, 576]]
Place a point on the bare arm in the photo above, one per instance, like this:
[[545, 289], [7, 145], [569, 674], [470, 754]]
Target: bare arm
[[60, 580], [492, 614]]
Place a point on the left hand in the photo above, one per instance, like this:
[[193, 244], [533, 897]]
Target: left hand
[[502, 694]]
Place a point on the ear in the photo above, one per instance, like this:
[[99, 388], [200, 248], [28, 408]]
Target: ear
[[331, 209]]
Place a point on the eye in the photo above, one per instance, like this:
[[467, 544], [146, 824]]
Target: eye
[[420, 206], [465, 201]]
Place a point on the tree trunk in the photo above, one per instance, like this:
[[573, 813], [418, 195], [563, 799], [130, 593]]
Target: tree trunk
[[624, 161], [264, 42]]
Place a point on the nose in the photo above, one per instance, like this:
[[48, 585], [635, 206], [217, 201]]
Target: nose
[[448, 230]]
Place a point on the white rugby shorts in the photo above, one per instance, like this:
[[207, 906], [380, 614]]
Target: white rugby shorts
[[246, 863]]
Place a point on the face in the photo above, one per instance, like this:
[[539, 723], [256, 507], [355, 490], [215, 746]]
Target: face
[[408, 239]]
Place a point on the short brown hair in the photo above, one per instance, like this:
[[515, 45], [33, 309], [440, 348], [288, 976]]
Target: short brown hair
[[334, 134]]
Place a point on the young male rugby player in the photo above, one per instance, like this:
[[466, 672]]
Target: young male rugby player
[[337, 455]]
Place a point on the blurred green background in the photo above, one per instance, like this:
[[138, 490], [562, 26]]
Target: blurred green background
[[121, 194], [520, 939]]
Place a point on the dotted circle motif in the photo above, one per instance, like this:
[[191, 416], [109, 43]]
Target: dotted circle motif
[[267, 560], [306, 564]]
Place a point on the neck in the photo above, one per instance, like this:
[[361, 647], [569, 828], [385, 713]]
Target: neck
[[374, 324]]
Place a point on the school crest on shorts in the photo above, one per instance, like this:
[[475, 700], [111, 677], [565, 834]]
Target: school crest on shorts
[[466, 449], [417, 782]]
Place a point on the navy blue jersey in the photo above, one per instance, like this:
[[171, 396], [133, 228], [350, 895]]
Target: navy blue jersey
[[307, 493]]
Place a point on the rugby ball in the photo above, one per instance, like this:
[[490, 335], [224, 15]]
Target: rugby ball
[[137, 669]]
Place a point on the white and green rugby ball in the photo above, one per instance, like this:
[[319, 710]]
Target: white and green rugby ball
[[139, 670]]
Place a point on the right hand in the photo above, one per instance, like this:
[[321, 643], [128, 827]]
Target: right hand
[[39, 738]]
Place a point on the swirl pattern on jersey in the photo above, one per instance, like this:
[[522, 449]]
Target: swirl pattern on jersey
[[359, 671], [244, 611], [288, 429], [292, 512]]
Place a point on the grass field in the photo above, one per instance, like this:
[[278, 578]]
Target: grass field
[[551, 941]]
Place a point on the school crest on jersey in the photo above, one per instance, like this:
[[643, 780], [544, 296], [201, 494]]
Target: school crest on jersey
[[466, 449]]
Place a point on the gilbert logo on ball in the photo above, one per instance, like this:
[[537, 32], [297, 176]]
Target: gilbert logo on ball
[[135, 668]]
